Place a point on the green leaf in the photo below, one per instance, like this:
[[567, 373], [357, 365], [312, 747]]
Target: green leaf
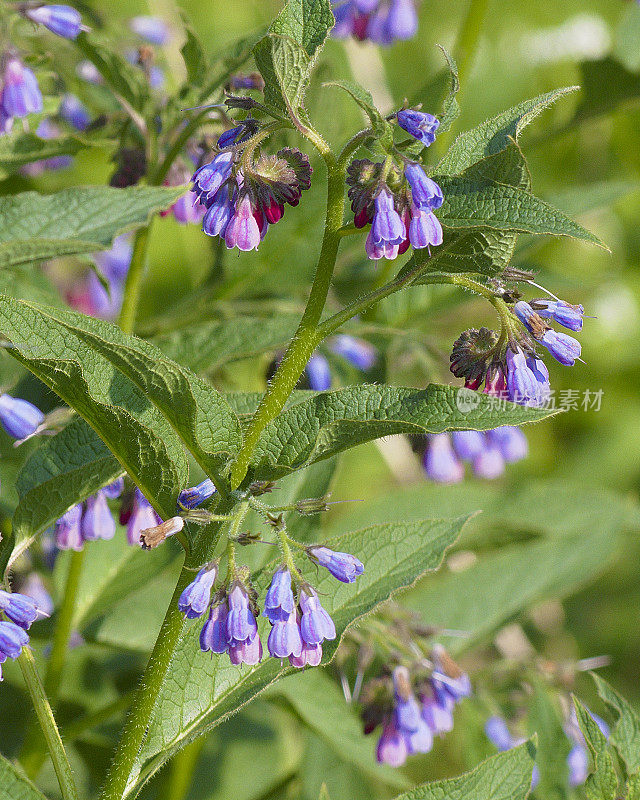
[[364, 99], [496, 133], [63, 471], [198, 413], [552, 747], [328, 422], [193, 54], [124, 418], [602, 783], [306, 22], [34, 227], [321, 706], [16, 786], [207, 346], [633, 787], [506, 776], [25, 147], [626, 733], [200, 691]]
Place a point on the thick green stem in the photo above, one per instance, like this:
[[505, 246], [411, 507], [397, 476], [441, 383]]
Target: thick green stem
[[306, 338], [48, 724], [133, 284]]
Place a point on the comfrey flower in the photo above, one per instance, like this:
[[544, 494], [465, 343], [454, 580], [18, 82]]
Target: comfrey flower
[[68, 531], [34, 588], [381, 21], [114, 265], [343, 566], [578, 758], [498, 734], [19, 608], [563, 348], [19, 418], [440, 461], [197, 495], [62, 20], [93, 521], [184, 210], [242, 629], [523, 383], [20, 91], [318, 373], [12, 639], [142, 516], [46, 130], [152, 29], [420, 125], [357, 352], [565, 314], [196, 597], [279, 602], [97, 520], [315, 625], [74, 112]]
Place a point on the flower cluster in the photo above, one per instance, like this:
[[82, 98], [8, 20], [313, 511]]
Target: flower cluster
[[357, 352], [242, 195], [381, 21], [487, 453], [91, 296], [397, 199], [88, 521], [20, 612], [298, 626]]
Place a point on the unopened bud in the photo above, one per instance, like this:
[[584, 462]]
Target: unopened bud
[[261, 487], [313, 505], [245, 103], [247, 538], [152, 537]]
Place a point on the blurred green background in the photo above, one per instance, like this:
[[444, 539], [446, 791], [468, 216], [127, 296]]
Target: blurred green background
[[584, 155]]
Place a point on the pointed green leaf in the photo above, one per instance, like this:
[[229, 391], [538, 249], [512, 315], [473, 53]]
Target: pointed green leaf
[[602, 783], [306, 22], [626, 733], [16, 786], [633, 787], [200, 691], [364, 99], [25, 147], [328, 422], [506, 776], [124, 418], [193, 54]]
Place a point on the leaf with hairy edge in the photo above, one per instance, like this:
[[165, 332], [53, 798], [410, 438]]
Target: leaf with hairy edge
[[506, 776], [307, 22], [63, 471], [208, 345], [34, 227], [16, 786], [197, 412], [626, 733], [328, 422], [124, 418], [208, 689], [245, 404], [364, 99], [16, 151], [496, 133], [602, 783]]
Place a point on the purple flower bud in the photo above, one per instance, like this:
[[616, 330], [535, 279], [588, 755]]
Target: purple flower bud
[[72, 111], [489, 464], [498, 733], [402, 20], [358, 352], [97, 521], [113, 490], [425, 229], [196, 597], [316, 625], [468, 444], [20, 608], [524, 312], [310, 656], [578, 763], [142, 517], [318, 373], [210, 177], [565, 314], [241, 624], [20, 92], [419, 124], [229, 137], [279, 602], [387, 226], [563, 348], [285, 639], [18, 417], [68, 531], [247, 652], [343, 566], [440, 462], [511, 442], [213, 635], [152, 29], [425, 192], [392, 747], [522, 383], [243, 230], [12, 639], [439, 717], [63, 20], [197, 495]]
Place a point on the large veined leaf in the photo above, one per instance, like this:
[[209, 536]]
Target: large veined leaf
[[16, 786], [306, 22], [120, 413], [506, 776], [496, 133], [199, 691], [64, 470], [602, 783], [26, 147], [197, 412], [328, 422], [626, 733], [34, 227]]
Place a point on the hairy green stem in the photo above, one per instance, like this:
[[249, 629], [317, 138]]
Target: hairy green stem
[[48, 724], [133, 284]]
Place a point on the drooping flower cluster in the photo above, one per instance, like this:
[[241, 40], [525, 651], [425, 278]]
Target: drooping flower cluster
[[357, 352], [380, 21], [487, 453], [20, 612], [397, 200], [88, 521], [298, 626], [244, 196]]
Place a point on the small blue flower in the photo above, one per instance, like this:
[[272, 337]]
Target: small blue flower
[[419, 124], [408, 715], [438, 715], [358, 352], [310, 655], [468, 444], [20, 92], [34, 588], [392, 747], [241, 624], [196, 495], [12, 639], [565, 314], [523, 384], [20, 608], [152, 29], [563, 348], [18, 417], [97, 520], [142, 517], [511, 442], [74, 112], [219, 213], [343, 566], [196, 597], [425, 229], [242, 230], [62, 20], [578, 763], [68, 530], [402, 20], [246, 652], [440, 462], [229, 137], [387, 226], [425, 192], [114, 489], [318, 373], [285, 639], [524, 312], [498, 733], [316, 625], [213, 635], [489, 464], [279, 602], [210, 177]]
